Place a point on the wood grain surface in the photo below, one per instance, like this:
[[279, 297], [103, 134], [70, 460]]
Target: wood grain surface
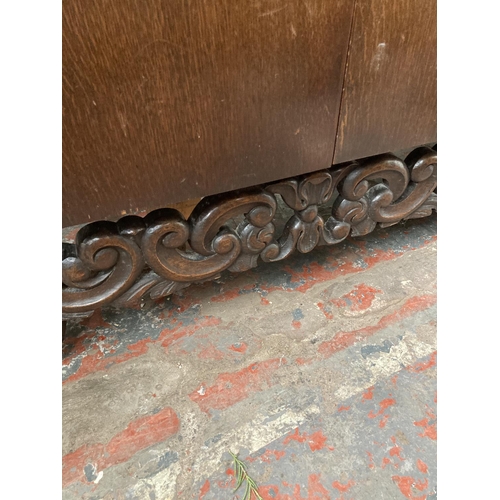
[[389, 99], [165, 101]]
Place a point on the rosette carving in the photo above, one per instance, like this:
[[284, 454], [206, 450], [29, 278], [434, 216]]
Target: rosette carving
[[306, 229]]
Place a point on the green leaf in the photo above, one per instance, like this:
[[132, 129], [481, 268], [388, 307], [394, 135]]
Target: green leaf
[[240, 476], [247, 492]]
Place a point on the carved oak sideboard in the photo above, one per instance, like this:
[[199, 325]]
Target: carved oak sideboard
[[188, 126]]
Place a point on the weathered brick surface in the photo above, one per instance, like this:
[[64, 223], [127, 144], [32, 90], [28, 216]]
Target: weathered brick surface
[[319, 371]]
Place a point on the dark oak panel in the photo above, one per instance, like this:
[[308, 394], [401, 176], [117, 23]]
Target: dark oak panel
[[389, 100], [165, 101]]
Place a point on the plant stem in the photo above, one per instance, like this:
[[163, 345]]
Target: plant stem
[[242, 475]]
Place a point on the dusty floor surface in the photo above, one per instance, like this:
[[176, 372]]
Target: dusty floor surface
[[320, 371]]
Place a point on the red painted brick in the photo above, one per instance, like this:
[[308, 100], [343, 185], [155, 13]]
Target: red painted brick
[[325, 310], [241, 348], [211, 352], [138, 435], [343, 487], [230, 388], [98, 362], [204, 489], [429, 430], [368, 394], [345, 339], [422, 466], [383, 421], [407, 483], [384, 404], [267, 456], [422, 366], [316, 441], [358, 299], [396, 450], [73, 463]]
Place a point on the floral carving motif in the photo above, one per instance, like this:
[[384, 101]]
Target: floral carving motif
[[119, 263], [306, 229]]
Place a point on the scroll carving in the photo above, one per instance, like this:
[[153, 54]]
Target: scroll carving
[[119, 263], [385, 190]]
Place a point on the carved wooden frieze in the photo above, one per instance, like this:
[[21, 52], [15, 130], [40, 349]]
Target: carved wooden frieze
[[119, 263]]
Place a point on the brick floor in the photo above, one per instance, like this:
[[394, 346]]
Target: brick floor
[[319, 371]]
